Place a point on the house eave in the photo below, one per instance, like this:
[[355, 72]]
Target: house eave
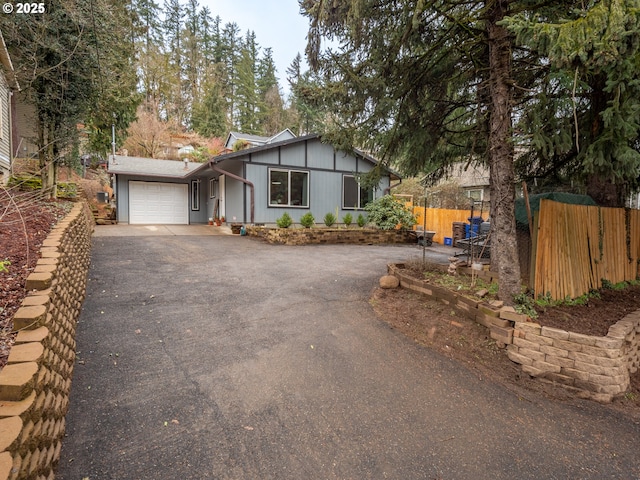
[[5, 59]]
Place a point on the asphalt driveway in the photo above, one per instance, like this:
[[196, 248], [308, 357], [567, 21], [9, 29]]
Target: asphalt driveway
[[222, 357]]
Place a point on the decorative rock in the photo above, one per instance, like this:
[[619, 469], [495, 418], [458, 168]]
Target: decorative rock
[[389, 281]]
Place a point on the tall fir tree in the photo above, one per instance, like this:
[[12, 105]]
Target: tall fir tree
[[247, 98], [584, 124], [75, 64], [270, 114], [231, 45], [424, 83]]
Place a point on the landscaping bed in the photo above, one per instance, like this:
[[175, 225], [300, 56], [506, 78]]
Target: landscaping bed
[[25, 221]]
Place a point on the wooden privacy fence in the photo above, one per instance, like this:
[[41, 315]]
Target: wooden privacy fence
[[441, 220], [578, 246]]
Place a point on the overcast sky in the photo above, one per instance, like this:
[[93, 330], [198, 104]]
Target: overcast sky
[[277, 24]]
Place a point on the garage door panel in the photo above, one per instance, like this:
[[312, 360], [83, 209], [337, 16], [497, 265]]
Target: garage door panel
[[155, 202]]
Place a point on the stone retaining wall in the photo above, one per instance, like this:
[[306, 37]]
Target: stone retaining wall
[[598, 368], [498, 319], [593, 367], [307, 236], [35, 384]]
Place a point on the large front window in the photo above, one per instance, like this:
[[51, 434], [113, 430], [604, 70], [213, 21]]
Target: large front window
[[354, 196], [288, 188]]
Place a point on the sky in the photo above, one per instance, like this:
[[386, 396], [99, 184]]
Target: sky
[[276, 23]]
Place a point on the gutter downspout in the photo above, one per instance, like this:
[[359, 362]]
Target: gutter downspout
[[218, 170]]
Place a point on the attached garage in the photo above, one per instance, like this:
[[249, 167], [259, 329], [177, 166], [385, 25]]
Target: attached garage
[[158, 203]]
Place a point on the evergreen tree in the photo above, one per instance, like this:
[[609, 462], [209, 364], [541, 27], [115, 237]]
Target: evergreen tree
[[74, 64], [305, 113], [424, 84], [192, 52], [175, 105], [247, 99], [585, 123], [209, 115], [271, 107]]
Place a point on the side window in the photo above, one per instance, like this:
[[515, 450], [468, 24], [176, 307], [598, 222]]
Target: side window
[[354, 197], [195, 195], [212, 188]]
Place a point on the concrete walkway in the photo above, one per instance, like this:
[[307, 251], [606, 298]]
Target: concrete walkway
[[222, 357], [126, 230]]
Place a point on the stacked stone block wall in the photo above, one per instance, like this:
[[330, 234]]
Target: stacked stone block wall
[[309, 236], [35, 383], [493, 315], [594, 367], [598, 368]]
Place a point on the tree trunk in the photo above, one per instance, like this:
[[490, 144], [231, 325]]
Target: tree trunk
[[502, 174], [46, 160], [606, 193]]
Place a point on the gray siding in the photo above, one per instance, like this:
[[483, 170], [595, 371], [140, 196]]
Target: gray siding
[[5, 133], [325, 168], [25, 138], [234, 193], [320, 155], [293, 155], [269, 157]]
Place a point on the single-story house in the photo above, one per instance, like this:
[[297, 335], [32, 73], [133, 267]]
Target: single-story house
[[256, 185]]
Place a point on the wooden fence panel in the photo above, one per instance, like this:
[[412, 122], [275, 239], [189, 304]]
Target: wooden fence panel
[[579, 246], [441, 220]]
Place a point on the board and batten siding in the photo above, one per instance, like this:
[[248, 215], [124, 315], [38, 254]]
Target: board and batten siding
[[326, 169]]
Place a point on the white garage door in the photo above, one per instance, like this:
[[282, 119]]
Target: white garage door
[[161, 203]]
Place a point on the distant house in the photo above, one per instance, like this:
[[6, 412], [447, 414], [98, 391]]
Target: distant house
[[8, 84], [473, 179], [24, 134], [255, 185], [256, 140]]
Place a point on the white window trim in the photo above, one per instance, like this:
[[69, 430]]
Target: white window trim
[[212, 188], [195, 195], [481, 190], [288, 172]]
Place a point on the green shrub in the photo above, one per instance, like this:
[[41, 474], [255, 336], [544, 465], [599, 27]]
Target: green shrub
[[329, 219], [3, 267], [387, 213], [347, 219], [284, 221], [307, 220], [361, 221], [525, 305]]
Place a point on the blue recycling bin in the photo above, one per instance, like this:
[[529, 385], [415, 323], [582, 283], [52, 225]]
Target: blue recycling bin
[[472, 228]]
